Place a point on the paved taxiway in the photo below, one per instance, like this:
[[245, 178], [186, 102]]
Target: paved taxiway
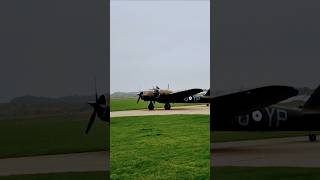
[[77, 162], [197, 109], [288, 152]]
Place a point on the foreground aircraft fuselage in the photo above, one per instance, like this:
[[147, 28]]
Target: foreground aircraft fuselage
[[271, 118]]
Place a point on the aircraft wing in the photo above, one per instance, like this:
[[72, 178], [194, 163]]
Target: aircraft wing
[[183, 94], [255, 98]]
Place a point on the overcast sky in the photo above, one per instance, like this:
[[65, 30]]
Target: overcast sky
[[52, 48], [55, 48], [264, 42], [160, 42]]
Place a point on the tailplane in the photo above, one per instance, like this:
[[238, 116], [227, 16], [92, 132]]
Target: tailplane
[[207, 93], [314, 100]]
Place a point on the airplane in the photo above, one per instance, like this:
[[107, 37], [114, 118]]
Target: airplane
[[275, 117], [166, 96], [234, 103], [261, 97]]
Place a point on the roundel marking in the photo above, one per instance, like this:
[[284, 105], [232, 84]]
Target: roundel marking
[[190, 98], [257, 115]]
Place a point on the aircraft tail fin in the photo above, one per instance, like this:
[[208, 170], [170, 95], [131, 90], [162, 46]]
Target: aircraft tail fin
[[314, 100], [207, 93]]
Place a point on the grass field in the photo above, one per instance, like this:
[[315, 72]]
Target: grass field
[[265, 173], [160, 147], [131, 104], [61, 176], [65, 133], [50, 135], [174, 146]]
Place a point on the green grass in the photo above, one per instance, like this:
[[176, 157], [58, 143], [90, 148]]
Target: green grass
[[50, 135], [29, 136], [265, 173], [225, 136], [131, 104], [160, 147], [61, 176]]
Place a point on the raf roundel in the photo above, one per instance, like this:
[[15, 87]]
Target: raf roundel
[[257, 115], [190, 98]]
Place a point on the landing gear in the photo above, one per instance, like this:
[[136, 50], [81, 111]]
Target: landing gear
[[167, 106], [312, 137], [151, 106]]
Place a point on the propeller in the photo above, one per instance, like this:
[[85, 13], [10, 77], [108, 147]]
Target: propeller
[[95, 89], [92, 118], [95, 106], [99, 109], [140, 95]]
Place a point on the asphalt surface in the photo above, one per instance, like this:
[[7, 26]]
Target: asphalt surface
[[197, 109], [77, 162], [285, 152]]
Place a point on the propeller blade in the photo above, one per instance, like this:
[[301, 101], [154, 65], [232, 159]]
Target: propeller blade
[[95, 89], [92, 118], [140, 96], [138, 99]]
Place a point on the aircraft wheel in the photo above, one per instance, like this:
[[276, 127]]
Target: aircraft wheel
[[312, 137], [151, 106], [167, 106]]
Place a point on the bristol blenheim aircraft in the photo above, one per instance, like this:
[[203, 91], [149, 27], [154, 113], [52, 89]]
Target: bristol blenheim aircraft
[[166, 96], [250, 110], [253, 114]]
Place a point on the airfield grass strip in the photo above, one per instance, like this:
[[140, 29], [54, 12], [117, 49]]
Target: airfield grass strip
[[50, 135], [160, 147]]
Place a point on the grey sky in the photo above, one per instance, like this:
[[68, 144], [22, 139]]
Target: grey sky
[[263, 42], [52, 48], [160, 42]]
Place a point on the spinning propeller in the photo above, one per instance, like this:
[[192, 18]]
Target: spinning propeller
[[140, 95], [99, 108]]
